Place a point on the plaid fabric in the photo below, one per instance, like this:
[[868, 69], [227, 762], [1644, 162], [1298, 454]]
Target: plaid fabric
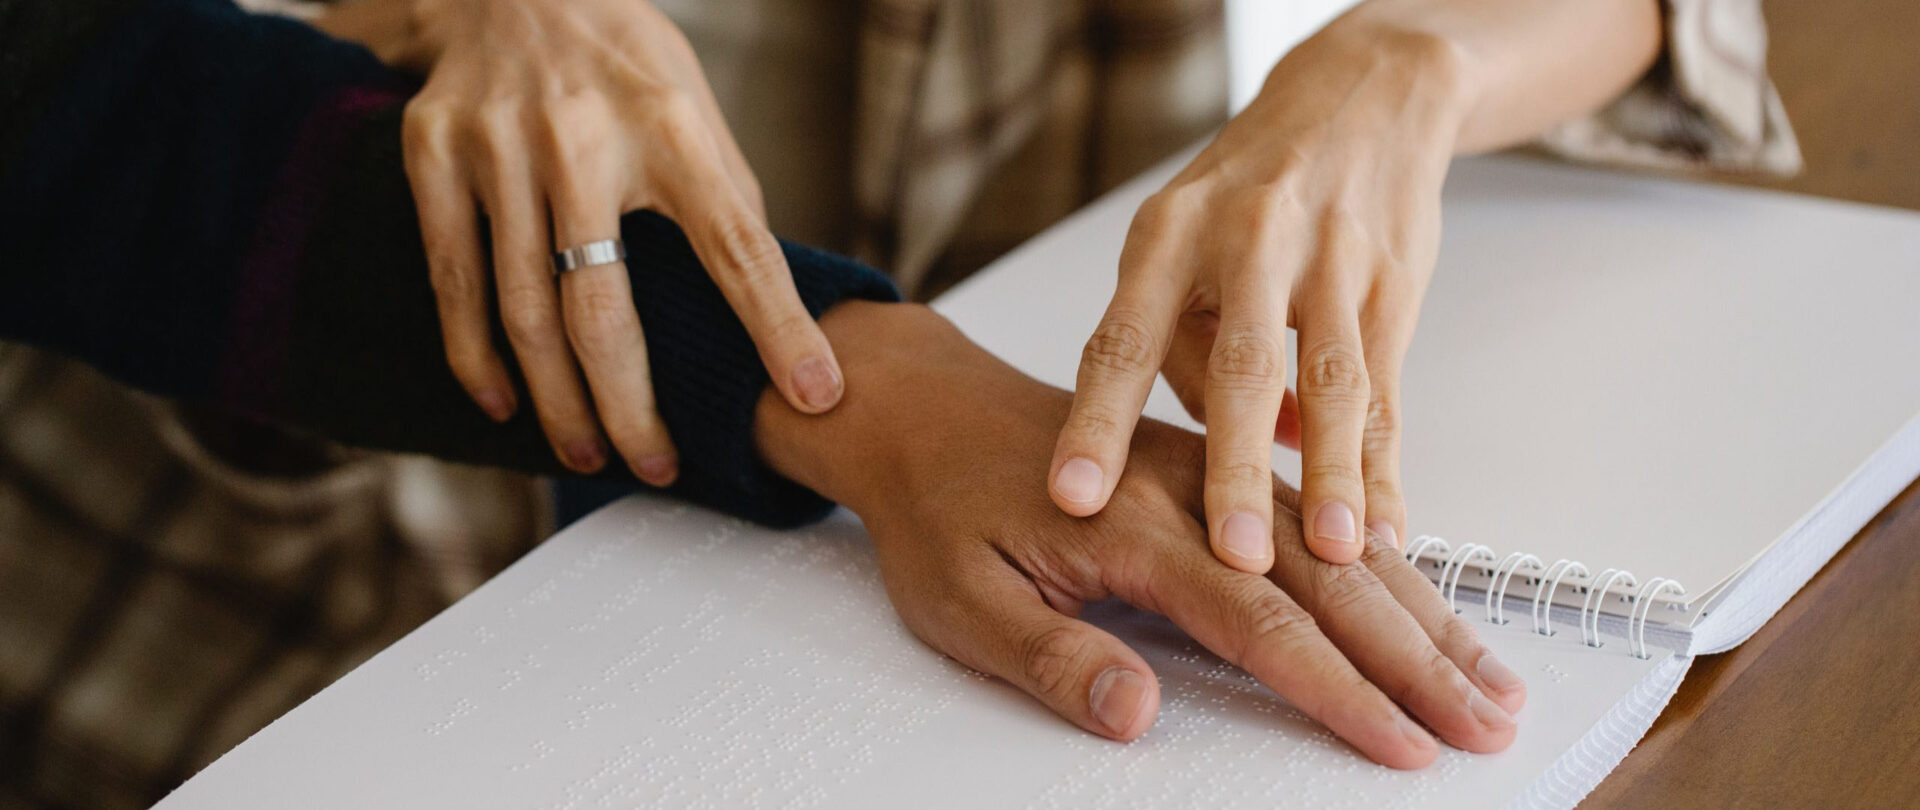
[[980, 122], [158, 603]]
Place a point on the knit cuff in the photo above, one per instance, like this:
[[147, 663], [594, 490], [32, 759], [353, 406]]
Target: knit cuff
[[708, 377]]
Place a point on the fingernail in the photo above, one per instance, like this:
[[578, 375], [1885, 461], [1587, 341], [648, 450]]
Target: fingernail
[[498, 406], [656, 470], [1414, 733], [1334, 522], [1498, 675], [1079, 480], [585, 455], [1243, 533], [1118, 696], [817, 382], [1486, 712], [1386, 532]]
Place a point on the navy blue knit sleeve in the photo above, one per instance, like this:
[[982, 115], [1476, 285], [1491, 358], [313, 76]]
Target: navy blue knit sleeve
[[213, 206]]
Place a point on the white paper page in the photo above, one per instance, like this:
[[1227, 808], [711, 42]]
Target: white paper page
[[1633, 372], [659, 655]]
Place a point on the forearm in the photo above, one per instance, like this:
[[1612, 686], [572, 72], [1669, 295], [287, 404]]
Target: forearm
[[252, 243], [1512, 68]]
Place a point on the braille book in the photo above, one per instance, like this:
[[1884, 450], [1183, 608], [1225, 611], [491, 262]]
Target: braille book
[[1639, 415]]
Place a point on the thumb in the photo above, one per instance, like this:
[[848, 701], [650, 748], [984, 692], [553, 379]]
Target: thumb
[[999, 624]]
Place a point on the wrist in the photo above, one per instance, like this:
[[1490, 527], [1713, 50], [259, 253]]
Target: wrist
[[834, 453], [911, 379], [1428, 81]]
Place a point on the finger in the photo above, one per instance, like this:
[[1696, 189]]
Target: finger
[[450, 232], [1388, 327], [602, 325], [1451, 633], [1287, 432], [999, 624], [1245, 619], [1186, 372], [1333, 415], [1185, 366], [747, 264], [1246, 380], [1392, 649], [1118, 365], [682, 64], [529, 302], [731, 159]]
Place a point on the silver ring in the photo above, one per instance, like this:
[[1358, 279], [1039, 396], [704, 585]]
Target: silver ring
[[591, 254]]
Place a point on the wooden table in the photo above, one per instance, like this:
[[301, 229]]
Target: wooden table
[[1822, 706]]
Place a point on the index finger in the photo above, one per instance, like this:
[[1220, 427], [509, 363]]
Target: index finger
[[1118, 366], [746, 262]]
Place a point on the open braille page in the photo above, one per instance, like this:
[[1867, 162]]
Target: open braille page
[[657, 655], [1665, 377]]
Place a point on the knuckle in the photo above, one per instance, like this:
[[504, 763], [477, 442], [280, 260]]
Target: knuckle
[[1052, 658], [1383, 424], [423, 129], [677, 119], [1333, 371], [753, 252], [597, 318], [1332, 474], [1240, 474], [783, 327], [1383, 489], [577, 129], [1274, 622], [1157, 215], [497, 121], [1245, 360], [1380, 557], [1456, 634], [1094, 420], [1439, 670], [1262, 206], [456, 287], [529, 319], [1121, 344], [1345, 588]]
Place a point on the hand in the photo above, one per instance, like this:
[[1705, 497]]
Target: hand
[[1317, 207], [938, 452], [555, 117]]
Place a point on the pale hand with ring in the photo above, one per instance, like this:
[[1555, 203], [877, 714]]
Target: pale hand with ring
[[554, 118]]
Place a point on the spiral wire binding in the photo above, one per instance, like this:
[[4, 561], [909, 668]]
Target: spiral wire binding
[[1420, 545], [1637, 619], [1502, 576], [1453, 564], [1597, 599], [1457, 566], [1543, 619]]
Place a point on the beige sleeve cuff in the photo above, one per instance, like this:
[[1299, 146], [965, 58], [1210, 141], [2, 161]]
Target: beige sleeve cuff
[[1706, 103]]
